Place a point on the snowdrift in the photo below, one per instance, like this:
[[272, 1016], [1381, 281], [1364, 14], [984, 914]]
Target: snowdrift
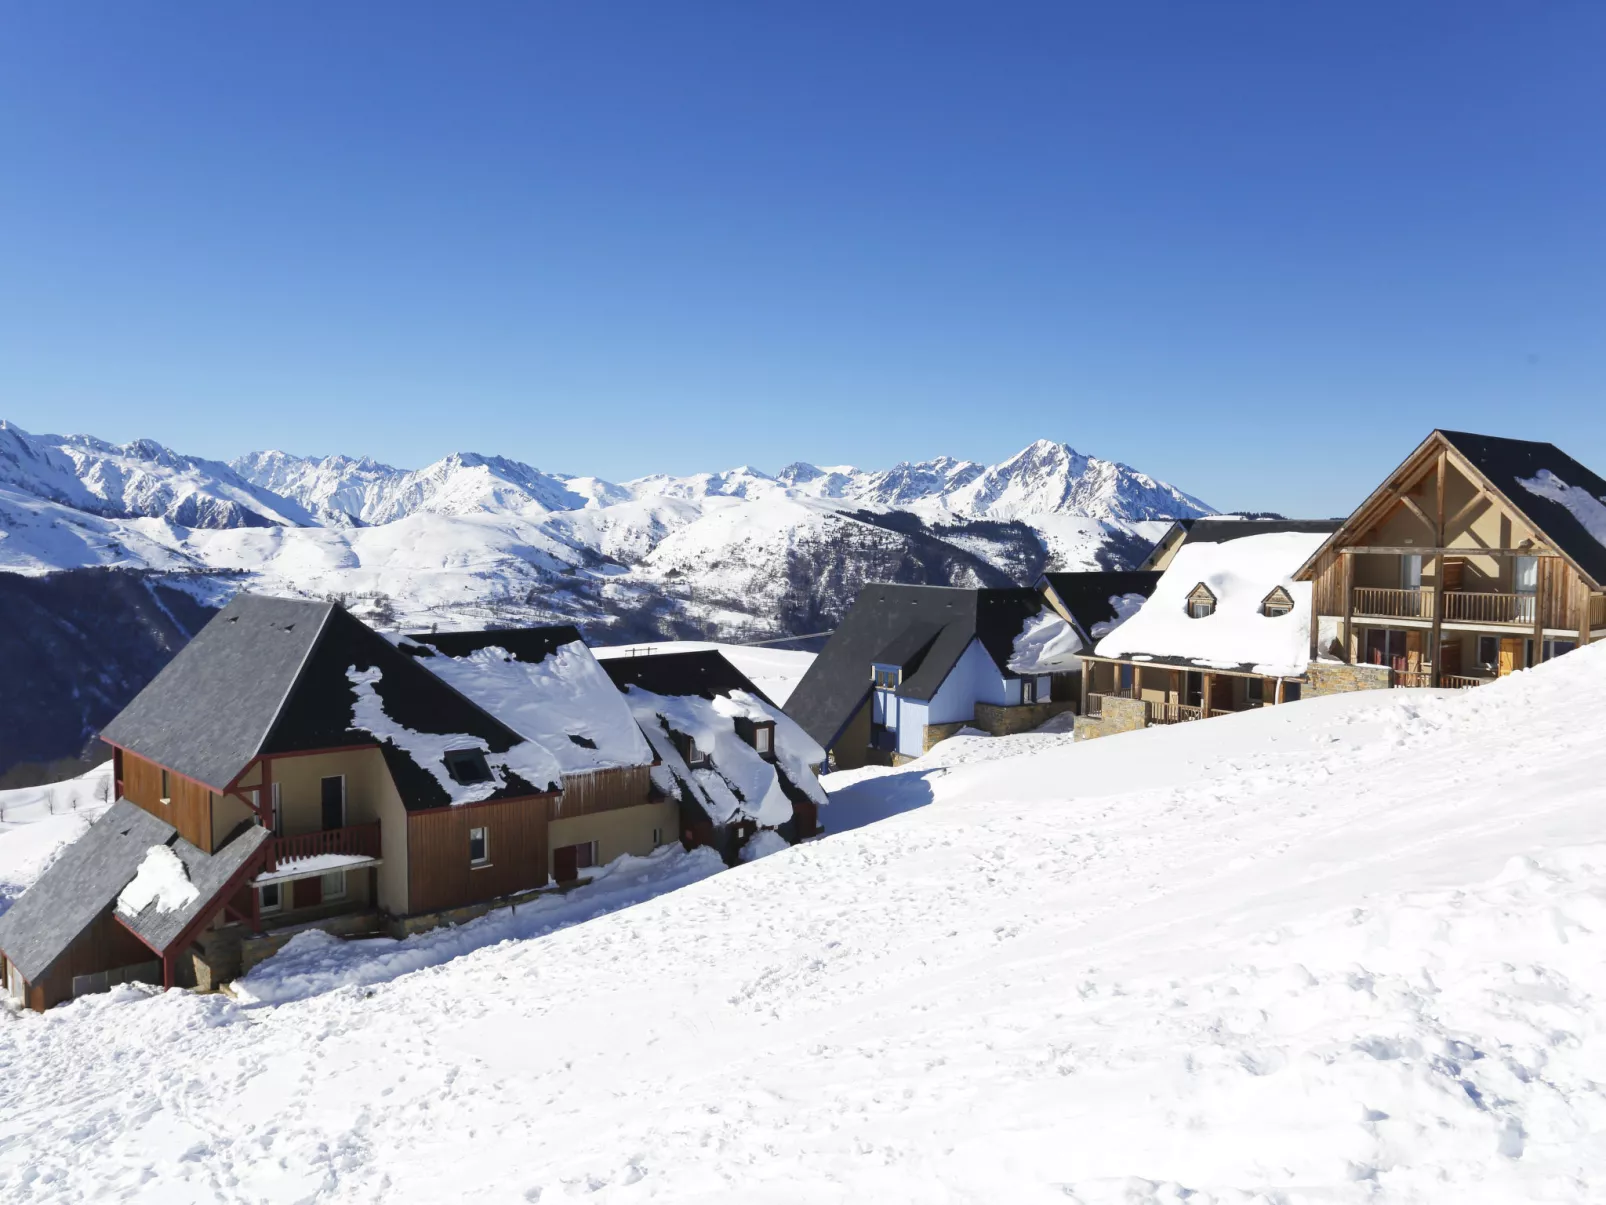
[[1351, 949]]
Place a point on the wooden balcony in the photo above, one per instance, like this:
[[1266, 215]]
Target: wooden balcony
[[1470, 607], [357, 840], [1393, 604], [1172, 713], [1463, 682]]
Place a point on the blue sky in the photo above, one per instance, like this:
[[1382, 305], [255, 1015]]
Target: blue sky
[[1257, 249]]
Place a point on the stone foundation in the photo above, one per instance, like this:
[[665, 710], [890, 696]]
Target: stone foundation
[[1336, 678], [1118, 715], [936, 733], [1022, 717]]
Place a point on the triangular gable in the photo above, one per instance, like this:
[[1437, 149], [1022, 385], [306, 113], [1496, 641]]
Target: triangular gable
[[1586, 555]]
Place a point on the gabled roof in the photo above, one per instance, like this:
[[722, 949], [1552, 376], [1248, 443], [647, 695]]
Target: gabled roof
[[704, 673], [1239, 569], [1088, 597], [89, 874], [888, 619], [272, 675], [1507, 463], [1169, 539], [544, 684], [1506, 466]]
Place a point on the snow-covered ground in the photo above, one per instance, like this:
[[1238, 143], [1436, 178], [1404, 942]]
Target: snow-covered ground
[[1351, 949], [35, 822], [775, 671]]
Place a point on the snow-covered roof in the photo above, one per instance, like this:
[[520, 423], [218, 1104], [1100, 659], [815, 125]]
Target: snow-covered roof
[[161, 880], [737, 783], [1046, 645], [554, 694], [1240, 573]]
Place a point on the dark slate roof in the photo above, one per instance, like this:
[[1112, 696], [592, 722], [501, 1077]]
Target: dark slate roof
[[207, 713], [1507, 462], [1087, 595], [704, 673], [209, 873], [268, 675], [530, 645], [882, 618], [1219, 531], [908, 648], [89, 874]]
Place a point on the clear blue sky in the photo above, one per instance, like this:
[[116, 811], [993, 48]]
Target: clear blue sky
[[1257, 249]]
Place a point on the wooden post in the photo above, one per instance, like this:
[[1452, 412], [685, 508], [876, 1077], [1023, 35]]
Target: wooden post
[[1586, 603], [1436, 651], [1087, 673], [169, 969], [1347, 561], [1204, 699], [1278, 693], [1539, 610]]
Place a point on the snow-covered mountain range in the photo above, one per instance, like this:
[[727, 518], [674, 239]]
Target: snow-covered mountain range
[[473, 539]]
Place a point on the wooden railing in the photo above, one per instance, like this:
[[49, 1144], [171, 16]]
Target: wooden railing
[[1472, 607], [1597, 610], [1393, 604], [1462, 681], [1413, 677], [357, 840], [1171, 713]]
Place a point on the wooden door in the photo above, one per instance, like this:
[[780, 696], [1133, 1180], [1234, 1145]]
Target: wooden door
[[334, 802], [1510, 654], [1221, 693]]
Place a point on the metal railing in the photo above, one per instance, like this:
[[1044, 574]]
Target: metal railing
[[357, 840], [1393, 604], [1477, 607]]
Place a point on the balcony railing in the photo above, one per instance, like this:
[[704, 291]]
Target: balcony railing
[[1462, 681], [1172, 713], [1393, 604], [357, 840], [1469, 607], [1413, 677]]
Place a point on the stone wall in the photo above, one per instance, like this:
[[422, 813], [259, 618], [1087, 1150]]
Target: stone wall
[[941, 732], [1336, 678], [1023, 717], [1117, 715]]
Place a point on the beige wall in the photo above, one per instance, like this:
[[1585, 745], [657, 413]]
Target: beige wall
[[228, 813], [392, 817], [620, 831], [300, 782]]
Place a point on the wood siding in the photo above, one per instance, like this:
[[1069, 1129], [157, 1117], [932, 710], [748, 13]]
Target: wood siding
[[602, 791], [190, 810], [438, 871], [1327, 585], [105, 945]]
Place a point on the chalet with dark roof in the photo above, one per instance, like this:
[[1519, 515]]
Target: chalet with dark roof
[[911, 665], [731, 759], [1476, 557], [303, 770]]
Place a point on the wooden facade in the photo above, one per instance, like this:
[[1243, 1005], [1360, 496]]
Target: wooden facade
[[104, 945], [439, 872], [189, 806], [603, 791]]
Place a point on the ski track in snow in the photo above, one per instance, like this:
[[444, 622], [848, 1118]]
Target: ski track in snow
[[1346, 950]]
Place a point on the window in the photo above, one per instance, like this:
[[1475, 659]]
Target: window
[[885, 679], [585, 854], [1527, 575], [1411, 571], [334, 885], [1028, 690], [479, 846], [1290, 692], [1488, 651], [270, 898], [1255, 691], [1556, 648], [761, 738], [1124, 677], [585, 742], [1278, 602], [166, 795], [657, 837], [278, 810], [695, 756], [1201, 602], [467, 766]]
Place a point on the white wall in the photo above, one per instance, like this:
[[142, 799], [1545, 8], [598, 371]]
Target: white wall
[[973, 679]]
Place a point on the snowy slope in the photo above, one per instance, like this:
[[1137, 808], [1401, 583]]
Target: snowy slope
[[37, 822], [1346, 950]]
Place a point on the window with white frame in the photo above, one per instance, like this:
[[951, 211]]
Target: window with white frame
[[1201, 602], [761, 738], [479, 846], [270, 897], [1028, 690], [333, 886]]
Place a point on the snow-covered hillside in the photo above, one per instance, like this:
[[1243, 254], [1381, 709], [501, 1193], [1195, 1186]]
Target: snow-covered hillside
[[478, 539], [1345, 950]]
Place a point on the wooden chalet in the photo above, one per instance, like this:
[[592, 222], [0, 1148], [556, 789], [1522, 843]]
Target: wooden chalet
[[1477, 556], [1223, 629], [305, 771], [721, 745]]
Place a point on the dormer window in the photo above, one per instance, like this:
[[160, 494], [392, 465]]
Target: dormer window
[[467, 766], [1278, 602], [885, 678], [758, 733], [694, 757], [1201, 602]]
